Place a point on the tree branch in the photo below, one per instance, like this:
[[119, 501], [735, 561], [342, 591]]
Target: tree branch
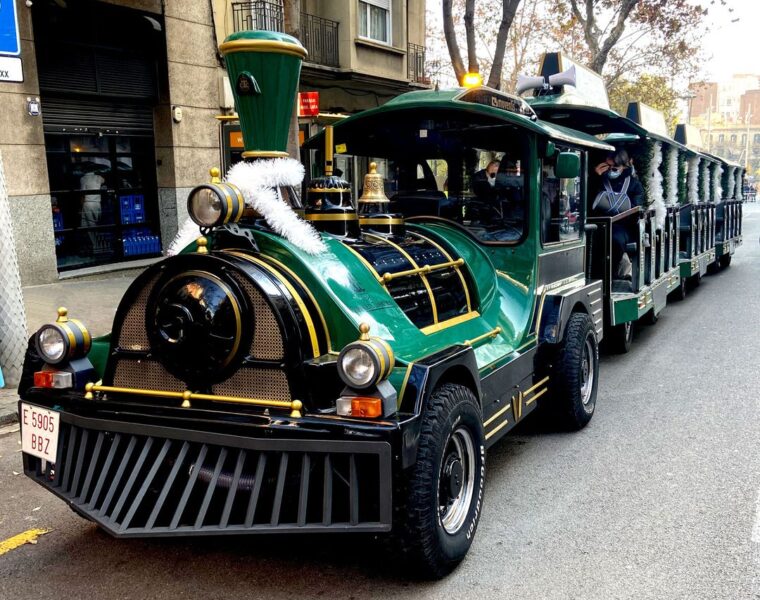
[[509, 8], [469, 30], [451, 42]]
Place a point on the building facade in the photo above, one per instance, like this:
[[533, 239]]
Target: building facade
[[117, 117]]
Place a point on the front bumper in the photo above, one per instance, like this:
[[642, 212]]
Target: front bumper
[[137, 479]]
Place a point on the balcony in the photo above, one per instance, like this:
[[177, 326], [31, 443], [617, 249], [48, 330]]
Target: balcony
[[318, 35], [416, 61]]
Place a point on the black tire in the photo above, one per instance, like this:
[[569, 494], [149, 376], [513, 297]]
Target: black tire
[[618, 338], [679, 294], [575, 378], [651, 317], [694, 281], [434, 539], [725, 261]]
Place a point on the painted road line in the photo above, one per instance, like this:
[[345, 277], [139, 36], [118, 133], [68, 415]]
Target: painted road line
[[28, 537]]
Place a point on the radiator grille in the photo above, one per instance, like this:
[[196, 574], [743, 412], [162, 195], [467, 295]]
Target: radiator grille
[[267, 339], [146, 374], [156, 483], [133, 335], [256, 383]]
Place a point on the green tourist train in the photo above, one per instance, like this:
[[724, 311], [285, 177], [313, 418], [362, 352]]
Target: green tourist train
[[326, 355]]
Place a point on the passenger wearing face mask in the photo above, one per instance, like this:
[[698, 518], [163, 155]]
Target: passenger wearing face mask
[[484, 182], [619, 191]]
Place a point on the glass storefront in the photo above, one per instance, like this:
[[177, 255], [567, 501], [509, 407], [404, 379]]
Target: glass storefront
[[103, 198]]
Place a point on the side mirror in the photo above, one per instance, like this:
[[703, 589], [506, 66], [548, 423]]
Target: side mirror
[[568, 165]]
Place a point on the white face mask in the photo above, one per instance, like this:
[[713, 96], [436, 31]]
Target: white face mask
[[492, 181]]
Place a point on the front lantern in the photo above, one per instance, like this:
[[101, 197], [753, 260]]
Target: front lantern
[[63, 341], [214, 204]]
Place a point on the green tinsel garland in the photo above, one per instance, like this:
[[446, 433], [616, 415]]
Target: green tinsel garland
[[702, 184], [664, 172], [641, 161], [681, 178]]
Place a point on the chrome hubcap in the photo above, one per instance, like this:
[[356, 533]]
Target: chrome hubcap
[[456, 480], [587, 370]]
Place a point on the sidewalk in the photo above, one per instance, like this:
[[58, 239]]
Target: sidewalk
[[94, 302]]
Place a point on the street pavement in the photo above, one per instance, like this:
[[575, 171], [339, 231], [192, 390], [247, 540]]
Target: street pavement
[[657, 498]]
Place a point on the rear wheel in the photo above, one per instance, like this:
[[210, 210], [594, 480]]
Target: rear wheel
[[575, 378], [679, 293], [651, 317], [695, 280], [619, 338], [725, 261], [444, 492]]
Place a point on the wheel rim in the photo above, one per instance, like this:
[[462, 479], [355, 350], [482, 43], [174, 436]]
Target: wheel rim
[[456, 480], [588, 371]]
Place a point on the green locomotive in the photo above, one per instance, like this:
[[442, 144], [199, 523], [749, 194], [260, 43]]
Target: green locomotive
[[321, 368]]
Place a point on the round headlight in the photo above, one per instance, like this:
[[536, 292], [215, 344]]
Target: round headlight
[[52, 344], [215, 204], [359, 367], [364, 363]]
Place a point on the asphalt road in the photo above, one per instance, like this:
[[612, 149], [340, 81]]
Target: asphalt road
[[656, 498]]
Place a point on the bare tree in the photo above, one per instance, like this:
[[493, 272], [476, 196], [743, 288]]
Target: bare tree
[[509, 8]]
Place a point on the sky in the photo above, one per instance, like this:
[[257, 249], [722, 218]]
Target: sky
[[733, 47]]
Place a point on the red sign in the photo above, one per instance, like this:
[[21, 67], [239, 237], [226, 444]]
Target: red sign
[[308, 104]]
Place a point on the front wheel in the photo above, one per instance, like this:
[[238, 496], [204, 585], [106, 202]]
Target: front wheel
[[619, 338], [444, 492], [575, 376]]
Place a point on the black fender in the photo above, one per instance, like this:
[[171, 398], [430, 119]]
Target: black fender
[[456, 364], [559, 304]]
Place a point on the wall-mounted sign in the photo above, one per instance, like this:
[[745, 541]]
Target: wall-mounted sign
[[236, 139], [10, 69], [9, 39], [33, 107], [308, 104]]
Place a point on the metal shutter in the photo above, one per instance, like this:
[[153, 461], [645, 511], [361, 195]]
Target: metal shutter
[[77, 116]]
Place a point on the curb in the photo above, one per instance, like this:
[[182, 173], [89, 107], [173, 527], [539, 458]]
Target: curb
[[7, 418]]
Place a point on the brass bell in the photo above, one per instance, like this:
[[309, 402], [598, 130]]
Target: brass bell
[[373, 187]]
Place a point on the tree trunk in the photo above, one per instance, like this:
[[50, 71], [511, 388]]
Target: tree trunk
[[451, 42], [291, 17], [469, 29], [509, 9]]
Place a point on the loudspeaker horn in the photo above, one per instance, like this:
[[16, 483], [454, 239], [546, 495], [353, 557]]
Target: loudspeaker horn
[[525, 83], [567, 77]]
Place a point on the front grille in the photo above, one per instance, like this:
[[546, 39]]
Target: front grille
[[271, 384], [133, 334], [267, 339], [146, 374], [155, 481]]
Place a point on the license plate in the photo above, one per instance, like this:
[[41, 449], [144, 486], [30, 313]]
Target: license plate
[[39, 431]]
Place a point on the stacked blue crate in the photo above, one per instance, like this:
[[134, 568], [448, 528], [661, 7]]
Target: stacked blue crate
[[58, 225], [132, 208]]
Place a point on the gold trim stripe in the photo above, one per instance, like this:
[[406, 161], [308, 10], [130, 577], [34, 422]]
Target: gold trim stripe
[[264, 154], [512, 280], [538, 385], [290, 272], [330, 190], [414, 264], [293, 292], [497, 415], [450, 322], [273, 46], [536, 396], [404, 382], [380, 221], [331, 217], [501, 426]]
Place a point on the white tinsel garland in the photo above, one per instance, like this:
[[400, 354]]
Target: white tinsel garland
[[259, 183], [692, 179], [654, 184], [705, 181], [738, 190], [672, 174], [731, 183], [717, 183]]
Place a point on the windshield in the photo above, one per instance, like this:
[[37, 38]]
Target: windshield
[[471, 172]]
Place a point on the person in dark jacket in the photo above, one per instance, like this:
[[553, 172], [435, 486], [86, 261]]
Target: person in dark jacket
[[617, 169]]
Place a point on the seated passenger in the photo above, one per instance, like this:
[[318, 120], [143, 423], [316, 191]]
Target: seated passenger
[[619, 191], [484, 182]]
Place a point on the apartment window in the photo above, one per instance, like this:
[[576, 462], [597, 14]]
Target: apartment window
[[757, 139], [375, 20]]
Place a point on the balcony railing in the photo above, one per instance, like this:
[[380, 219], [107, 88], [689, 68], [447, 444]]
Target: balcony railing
[[416, 60], [318, 35]]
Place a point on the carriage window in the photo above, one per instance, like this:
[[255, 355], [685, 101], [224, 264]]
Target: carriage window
[[561, 203]]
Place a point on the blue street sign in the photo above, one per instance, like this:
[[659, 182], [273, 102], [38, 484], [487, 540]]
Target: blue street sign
[[9, 41]]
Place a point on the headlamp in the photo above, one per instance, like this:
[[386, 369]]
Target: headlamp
[[62, 341], [363, 364], [214, 204]]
